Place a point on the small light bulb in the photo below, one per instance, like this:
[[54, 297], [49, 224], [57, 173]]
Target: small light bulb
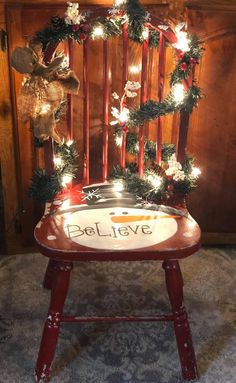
[[154, 180], [196, 172], [182, 41], [118, 186], [45, 108], [118, 3], [66, 179], [98, 31], [135, 69], [69, 142], [118, 140], [145, 33], [178, 93], [124, 115], [57, 161]]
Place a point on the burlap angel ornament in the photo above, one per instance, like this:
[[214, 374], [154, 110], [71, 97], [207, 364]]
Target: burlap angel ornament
[[43, 90]]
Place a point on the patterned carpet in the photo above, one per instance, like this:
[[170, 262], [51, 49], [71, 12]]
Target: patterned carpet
[[120, 353]]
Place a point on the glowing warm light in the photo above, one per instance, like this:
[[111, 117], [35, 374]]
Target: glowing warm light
[[66, 179], [178, 93], [154, 180], [45, 108], [98, 31], [183, 42], [118, 186], [57, 161], [69, 142], [118, 140], [145, 33], [66, 62], [124, 115], [66, 204], [196, 172], [135, 69], [118, 3]]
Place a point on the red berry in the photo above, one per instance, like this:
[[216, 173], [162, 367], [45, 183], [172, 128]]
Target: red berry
[[180, 55], [125, 128], [183, 66], [82, 36], [75, 27], [85, 27], [170, 187], [193, 61]]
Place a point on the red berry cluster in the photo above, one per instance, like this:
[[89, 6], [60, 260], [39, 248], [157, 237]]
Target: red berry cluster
[[185, 62], [83, 30]]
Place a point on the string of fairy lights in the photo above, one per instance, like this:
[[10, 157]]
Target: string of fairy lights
[[158, 181]]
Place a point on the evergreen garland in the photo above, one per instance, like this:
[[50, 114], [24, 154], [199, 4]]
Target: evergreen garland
[[45, 187], [153, 109], [58, 30], [137, 17], [142, 187]]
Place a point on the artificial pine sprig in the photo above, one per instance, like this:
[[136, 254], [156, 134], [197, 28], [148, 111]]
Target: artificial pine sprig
[[45, 187], [169, 185], [153, 109]]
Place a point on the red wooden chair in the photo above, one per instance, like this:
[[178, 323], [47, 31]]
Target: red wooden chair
[[115, 228]]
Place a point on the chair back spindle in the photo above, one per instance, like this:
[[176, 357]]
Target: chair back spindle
[[70, 114], [86, 113], [143, 98], [105, 108], [124, 80], [160, 88]]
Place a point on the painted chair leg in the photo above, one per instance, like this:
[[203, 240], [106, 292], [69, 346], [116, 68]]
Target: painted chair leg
[[174, 283], [52, 325], [48, 277]]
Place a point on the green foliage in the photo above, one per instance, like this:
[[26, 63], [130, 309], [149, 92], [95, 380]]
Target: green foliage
[[68, 155], [44, 187], [142, 187], [137, 17]]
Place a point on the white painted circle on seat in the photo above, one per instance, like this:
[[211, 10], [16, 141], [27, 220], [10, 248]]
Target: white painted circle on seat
[[119, 228]]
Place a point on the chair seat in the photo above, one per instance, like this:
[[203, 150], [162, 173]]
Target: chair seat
[[99, 223]]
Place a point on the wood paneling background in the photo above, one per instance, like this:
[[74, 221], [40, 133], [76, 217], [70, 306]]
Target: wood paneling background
[[212, 138]]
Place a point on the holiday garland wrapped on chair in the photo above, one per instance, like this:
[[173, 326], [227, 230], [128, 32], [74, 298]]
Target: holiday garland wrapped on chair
[[44, 89]]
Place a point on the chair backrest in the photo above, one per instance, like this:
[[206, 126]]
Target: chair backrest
[[166, 35]]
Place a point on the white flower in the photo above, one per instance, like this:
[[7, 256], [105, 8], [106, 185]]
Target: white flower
[[115, 96], [183, 42], [131, 94], [72, 15], [175, 169], [132, 85], [121, 116], [115, 112], [179, 175]]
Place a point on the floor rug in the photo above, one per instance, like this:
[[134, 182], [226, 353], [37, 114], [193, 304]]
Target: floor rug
[[124, 352]]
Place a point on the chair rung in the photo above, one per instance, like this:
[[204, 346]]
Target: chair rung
[[156, 318]]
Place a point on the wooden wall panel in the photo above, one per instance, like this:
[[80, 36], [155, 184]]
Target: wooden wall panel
[[7, 149], [212, 137]]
